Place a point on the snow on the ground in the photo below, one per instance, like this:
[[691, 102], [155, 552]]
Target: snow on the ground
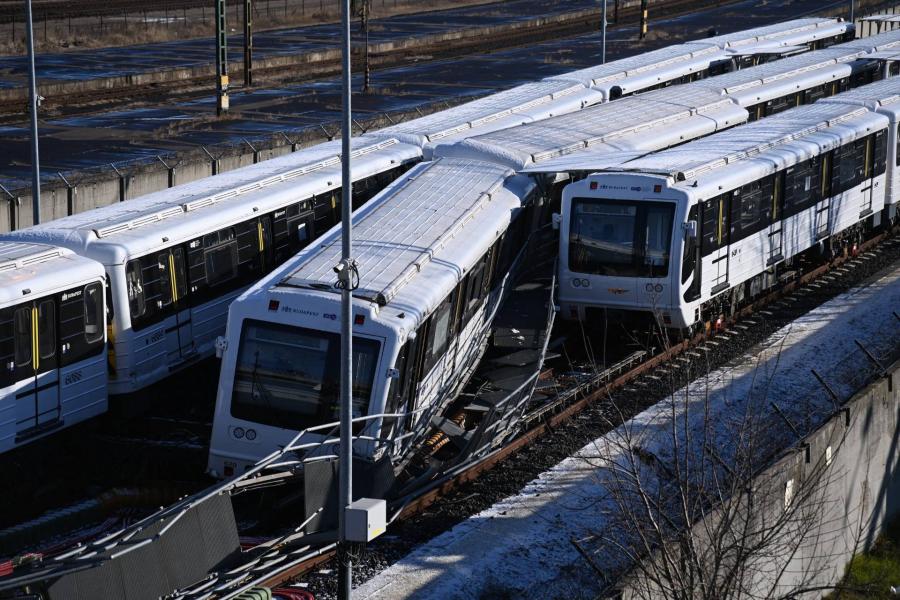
[[523, 544]]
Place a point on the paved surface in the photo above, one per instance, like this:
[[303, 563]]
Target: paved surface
[[75, 144], [113, 62], [524, 543]]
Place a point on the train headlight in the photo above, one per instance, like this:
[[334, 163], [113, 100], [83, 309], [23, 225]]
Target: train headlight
[[238, 432], [585, 283], [251, 434], [576, 282]]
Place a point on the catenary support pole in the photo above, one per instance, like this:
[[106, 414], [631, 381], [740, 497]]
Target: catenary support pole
[[248, 43], [34, 102], [643, 30], [345, 275], [603, 29], [221, 59]]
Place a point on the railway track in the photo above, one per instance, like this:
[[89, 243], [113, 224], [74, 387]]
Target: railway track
[[198, 82], [558, 428]]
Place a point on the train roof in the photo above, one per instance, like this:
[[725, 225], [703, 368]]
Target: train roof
[[701, 51], [783, 69], [140, 224], [415, 240], [883, 96], [607, 128], [785, 31], [494, 111], [760, 139], [30, 270]]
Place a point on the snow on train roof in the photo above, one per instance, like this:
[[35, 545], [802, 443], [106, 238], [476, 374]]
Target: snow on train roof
[[781, 69], [371, 153], [400, 233], [543, 140], [482, 112], [881, 93], [689, 161], [29, 270], [770, 33]]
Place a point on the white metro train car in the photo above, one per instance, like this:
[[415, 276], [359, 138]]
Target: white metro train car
[[435, 252], [176, 258], [52, 341], [692, 231]]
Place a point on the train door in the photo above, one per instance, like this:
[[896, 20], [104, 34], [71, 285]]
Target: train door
[[776, 227], [34, 365], [266, 249], [715, 233], [823, 207], [173, 281]]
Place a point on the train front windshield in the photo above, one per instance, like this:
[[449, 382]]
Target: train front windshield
[[620, 238], [290, 377]]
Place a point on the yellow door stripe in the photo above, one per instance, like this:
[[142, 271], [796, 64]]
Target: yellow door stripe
[[172, 277], [34, 339], [262, 244]]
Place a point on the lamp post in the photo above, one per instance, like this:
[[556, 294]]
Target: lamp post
[[33, 101], [345, 278]]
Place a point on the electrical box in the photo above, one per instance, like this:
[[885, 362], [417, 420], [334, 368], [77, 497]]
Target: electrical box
[[365, 519]]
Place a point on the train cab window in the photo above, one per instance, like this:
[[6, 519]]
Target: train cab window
[[134, 283], [93, 313], [22, 336], [620, 238], [289, 377], [46, 338]]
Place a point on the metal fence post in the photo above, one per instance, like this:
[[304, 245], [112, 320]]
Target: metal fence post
[[123, 185], [71, 192]]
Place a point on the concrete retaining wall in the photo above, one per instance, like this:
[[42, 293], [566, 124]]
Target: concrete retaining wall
[[843, 474]]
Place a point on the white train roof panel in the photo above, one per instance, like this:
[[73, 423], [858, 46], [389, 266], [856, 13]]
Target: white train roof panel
[[402, 230], [770, 32], [780, 69], [534, 142], [30, 270], [880, 41], [314, 171], [884, 92], [688, 161], [481, 112]]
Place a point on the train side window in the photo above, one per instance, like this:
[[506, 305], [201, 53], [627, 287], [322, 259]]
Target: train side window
[[46, 318], [93, 313], [689, 252], [800, 187], [825, 175], [440, 331], [880, 151], [220, 257], [844, 172], [897, 149], [163, 283], [750, 208], [714, 229], [22, 336], [134, 282], [777, 196]]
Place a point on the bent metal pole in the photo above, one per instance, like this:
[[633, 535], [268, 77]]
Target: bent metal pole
[[345, 276], [33, 99]]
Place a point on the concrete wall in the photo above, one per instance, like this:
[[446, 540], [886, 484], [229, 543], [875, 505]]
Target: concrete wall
[[842, 479]]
